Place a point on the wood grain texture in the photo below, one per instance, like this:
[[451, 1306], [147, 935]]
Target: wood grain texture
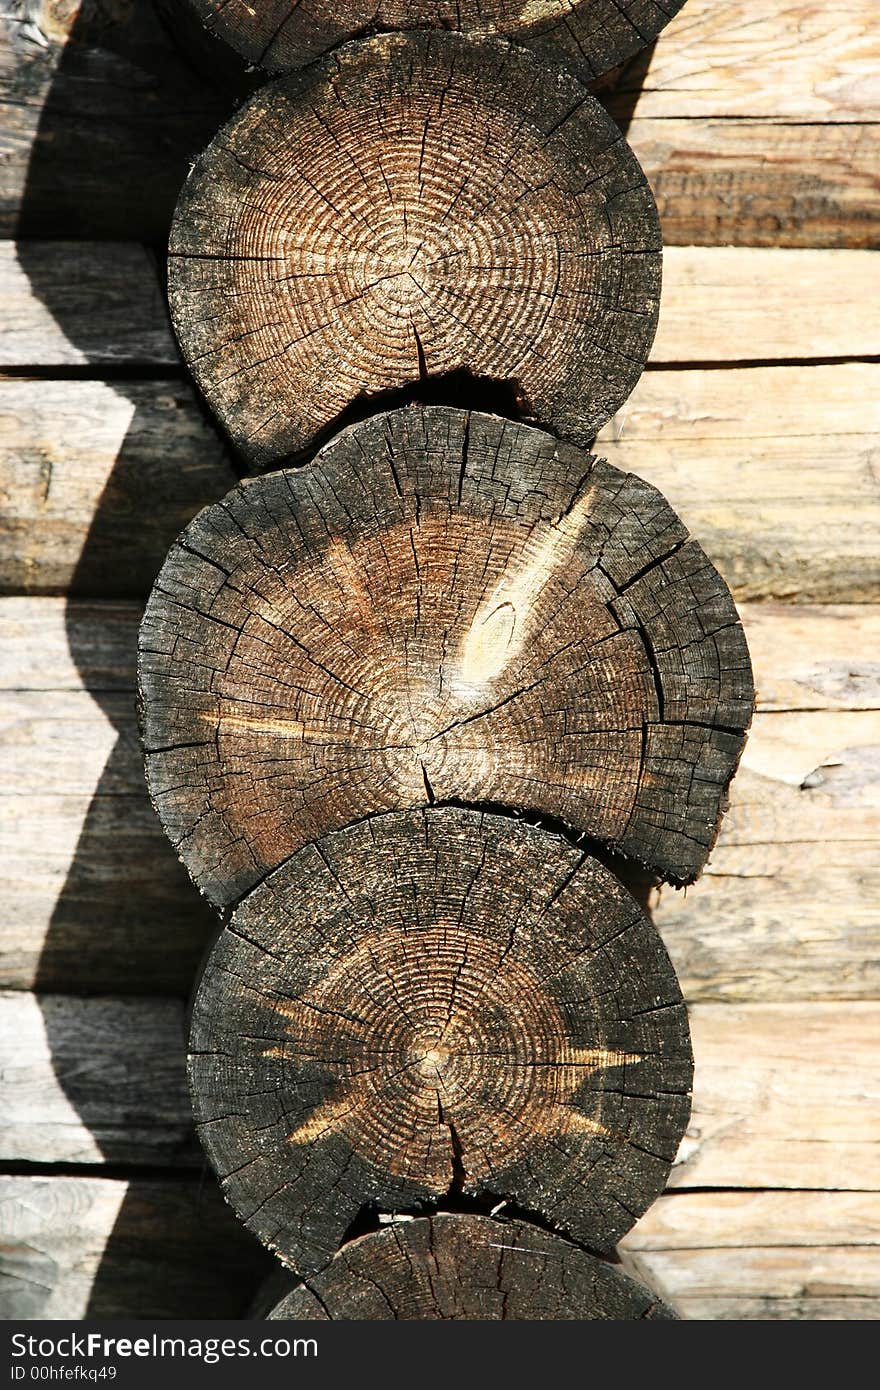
[[795, 1109], [76, 1248], [590, 36], [799, 1110], [753, 303], [791, 1284], [774, 468], [731, 1220], [91, 1081], [765, 182], [432, 1004], [413, 207], [111, 1248], [778, 58], [100, 118], [443, 606], [97, 900], [96, 138], [466, 1268], [95, 302], [69, 303], [96, 480]]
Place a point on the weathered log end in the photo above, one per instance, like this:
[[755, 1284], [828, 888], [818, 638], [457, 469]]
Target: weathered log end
[[443, 607], [466, 1268], [413, 207], [592, 35], [437, 1003]]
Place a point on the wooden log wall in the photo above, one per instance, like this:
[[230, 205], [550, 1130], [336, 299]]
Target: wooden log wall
[[776, 942]]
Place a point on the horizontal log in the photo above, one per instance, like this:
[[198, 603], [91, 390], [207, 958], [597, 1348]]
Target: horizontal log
[[770, 467], [765, 182], [77, 1248], [68, 1247], [755, 303], [758, 58], [795, 1107], [787, 1283], [94, 1081], [731, 1220], [96, 899], [99, 480], [102, 1080], [70, 303], [97, 137], [806, 657]]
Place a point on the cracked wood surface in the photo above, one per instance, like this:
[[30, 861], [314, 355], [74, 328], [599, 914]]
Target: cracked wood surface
[[95, 138], [590, 36], [773, 468], [73, 303], [437, 1003], [97, 899], [69, 1245], [464, 1267], [799, 1111], [444, 606], [413, 207]]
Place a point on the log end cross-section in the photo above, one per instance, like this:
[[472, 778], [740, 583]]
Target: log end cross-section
[[442, 607], [437, 1003], [592, 35], [467, 1268], [413, 208]]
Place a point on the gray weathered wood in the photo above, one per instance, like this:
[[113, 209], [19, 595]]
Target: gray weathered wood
[[444, 605], [128, 1099], [757, 58], [96, 899], [75, 302], [94, 1081], [69, 1241], [784, 511], [754, 303], [100, 117], [76, 1248], [326, 248], [771, 467], [99, 479], [81, 128], [431, 1004], [69, 303]]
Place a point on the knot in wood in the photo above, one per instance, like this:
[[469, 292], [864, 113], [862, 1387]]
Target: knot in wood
[[443, 606]]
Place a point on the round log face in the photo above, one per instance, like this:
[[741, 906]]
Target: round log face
[[444, 606], [592, 35], [414, 206], [467, 1267], [434, 1002]]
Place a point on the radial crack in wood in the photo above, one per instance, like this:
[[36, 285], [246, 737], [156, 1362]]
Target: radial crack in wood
[[438, 1002], [591, 35], [444, 606], [415, 206], [462, 1267]]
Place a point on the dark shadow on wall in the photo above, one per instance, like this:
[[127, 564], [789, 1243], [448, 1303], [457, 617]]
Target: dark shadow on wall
[[122, 115]]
